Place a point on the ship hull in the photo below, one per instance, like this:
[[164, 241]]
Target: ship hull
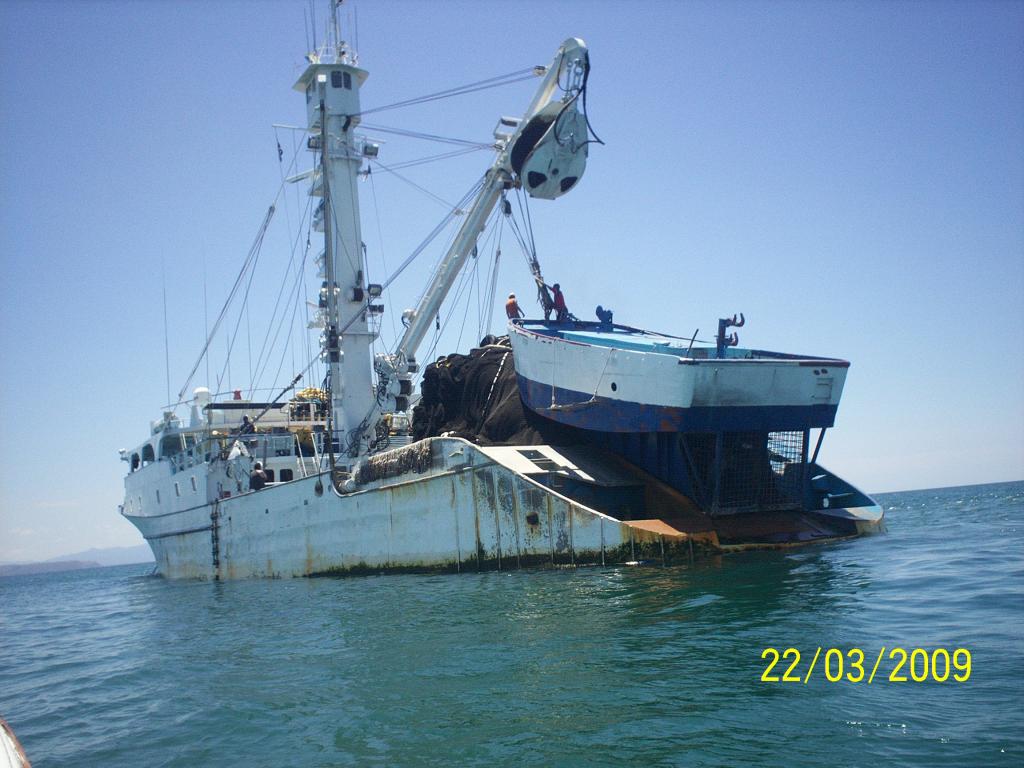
[[462, 512], [441, 505]]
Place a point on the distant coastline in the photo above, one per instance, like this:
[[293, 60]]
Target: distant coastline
[[28, 569], [90, 558]]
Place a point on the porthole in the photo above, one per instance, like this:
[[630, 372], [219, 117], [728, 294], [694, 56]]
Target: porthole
[[615, 387]]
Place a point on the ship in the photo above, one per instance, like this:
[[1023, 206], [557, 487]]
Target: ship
[[563, 442]]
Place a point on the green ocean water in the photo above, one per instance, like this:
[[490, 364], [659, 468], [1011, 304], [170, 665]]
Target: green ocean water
[[617, 666]]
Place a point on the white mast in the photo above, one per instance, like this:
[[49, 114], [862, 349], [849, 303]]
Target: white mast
[[331, 83]]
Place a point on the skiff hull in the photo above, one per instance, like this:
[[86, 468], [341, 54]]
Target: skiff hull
[[575, 379]]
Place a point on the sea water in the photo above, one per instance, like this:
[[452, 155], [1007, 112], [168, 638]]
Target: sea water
[[596, 666]]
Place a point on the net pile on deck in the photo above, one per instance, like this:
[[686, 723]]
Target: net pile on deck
[[476, 397]]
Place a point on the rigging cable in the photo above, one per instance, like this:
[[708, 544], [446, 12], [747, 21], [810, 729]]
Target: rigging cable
[[241, 314], [430, 159], [380, 237], [495, 266], [491, 82], [426, 136], [252, 255], [261, 361], [296, 281], [414, 185]]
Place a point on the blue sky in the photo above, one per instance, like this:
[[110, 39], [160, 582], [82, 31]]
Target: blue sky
[[848, 175]]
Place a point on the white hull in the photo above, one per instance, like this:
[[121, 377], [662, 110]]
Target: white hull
[[468, 509]]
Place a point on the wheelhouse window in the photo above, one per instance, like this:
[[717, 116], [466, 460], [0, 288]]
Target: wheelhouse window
[[341, 80]]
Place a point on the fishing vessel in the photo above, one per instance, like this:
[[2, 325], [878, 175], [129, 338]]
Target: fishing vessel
[[564, 442]]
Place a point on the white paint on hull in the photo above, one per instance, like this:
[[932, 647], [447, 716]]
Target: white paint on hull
[[466, 511]]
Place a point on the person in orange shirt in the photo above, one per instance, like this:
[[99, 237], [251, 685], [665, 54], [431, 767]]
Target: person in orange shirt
[[512, 308]]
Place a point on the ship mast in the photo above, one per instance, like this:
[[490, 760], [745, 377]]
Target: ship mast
[[331, 83]]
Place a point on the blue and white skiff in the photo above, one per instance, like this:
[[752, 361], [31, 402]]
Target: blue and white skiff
[[613, 378]]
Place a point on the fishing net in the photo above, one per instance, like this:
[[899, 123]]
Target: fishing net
[[476, 397]]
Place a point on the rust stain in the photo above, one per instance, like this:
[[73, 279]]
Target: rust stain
[[655, 526]]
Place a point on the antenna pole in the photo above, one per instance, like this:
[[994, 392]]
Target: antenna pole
[[167, 346]]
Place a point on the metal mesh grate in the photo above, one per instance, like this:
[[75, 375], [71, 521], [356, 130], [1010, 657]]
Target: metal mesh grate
[[756, 470]]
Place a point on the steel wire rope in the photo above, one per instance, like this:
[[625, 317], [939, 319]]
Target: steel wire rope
[[495, 267], [252, 254], [296, 282], [581, 94], [480, 85], [464, 281], [248, 334], [380, 237], [402, 165], [261, 362], [524, 205], [491, 235], [287, 210], [241, 314], [452, 213], [521, 239], [413, 184], [470, 282], [424, 136], [295, 308], [251, 257]]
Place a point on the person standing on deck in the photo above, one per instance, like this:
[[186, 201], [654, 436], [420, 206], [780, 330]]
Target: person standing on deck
[[558, 303], [512, 308]]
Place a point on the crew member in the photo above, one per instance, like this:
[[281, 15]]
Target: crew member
[[558, 303], [258, 478], [512, 308]]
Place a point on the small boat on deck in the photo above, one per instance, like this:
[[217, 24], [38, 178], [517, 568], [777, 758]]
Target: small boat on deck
[[614, 378]]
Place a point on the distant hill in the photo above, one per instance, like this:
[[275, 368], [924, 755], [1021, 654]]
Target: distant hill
[[25, 569], [140, 553]]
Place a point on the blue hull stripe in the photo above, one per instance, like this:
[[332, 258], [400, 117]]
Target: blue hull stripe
[[606, 415]]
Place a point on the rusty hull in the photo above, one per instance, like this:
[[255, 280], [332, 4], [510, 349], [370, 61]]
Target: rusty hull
[[453, 508]]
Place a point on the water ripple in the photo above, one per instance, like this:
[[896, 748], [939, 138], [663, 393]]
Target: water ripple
[[591, 667]]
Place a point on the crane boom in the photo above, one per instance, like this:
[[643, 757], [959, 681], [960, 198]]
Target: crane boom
[[570, 56], [545, 147]]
